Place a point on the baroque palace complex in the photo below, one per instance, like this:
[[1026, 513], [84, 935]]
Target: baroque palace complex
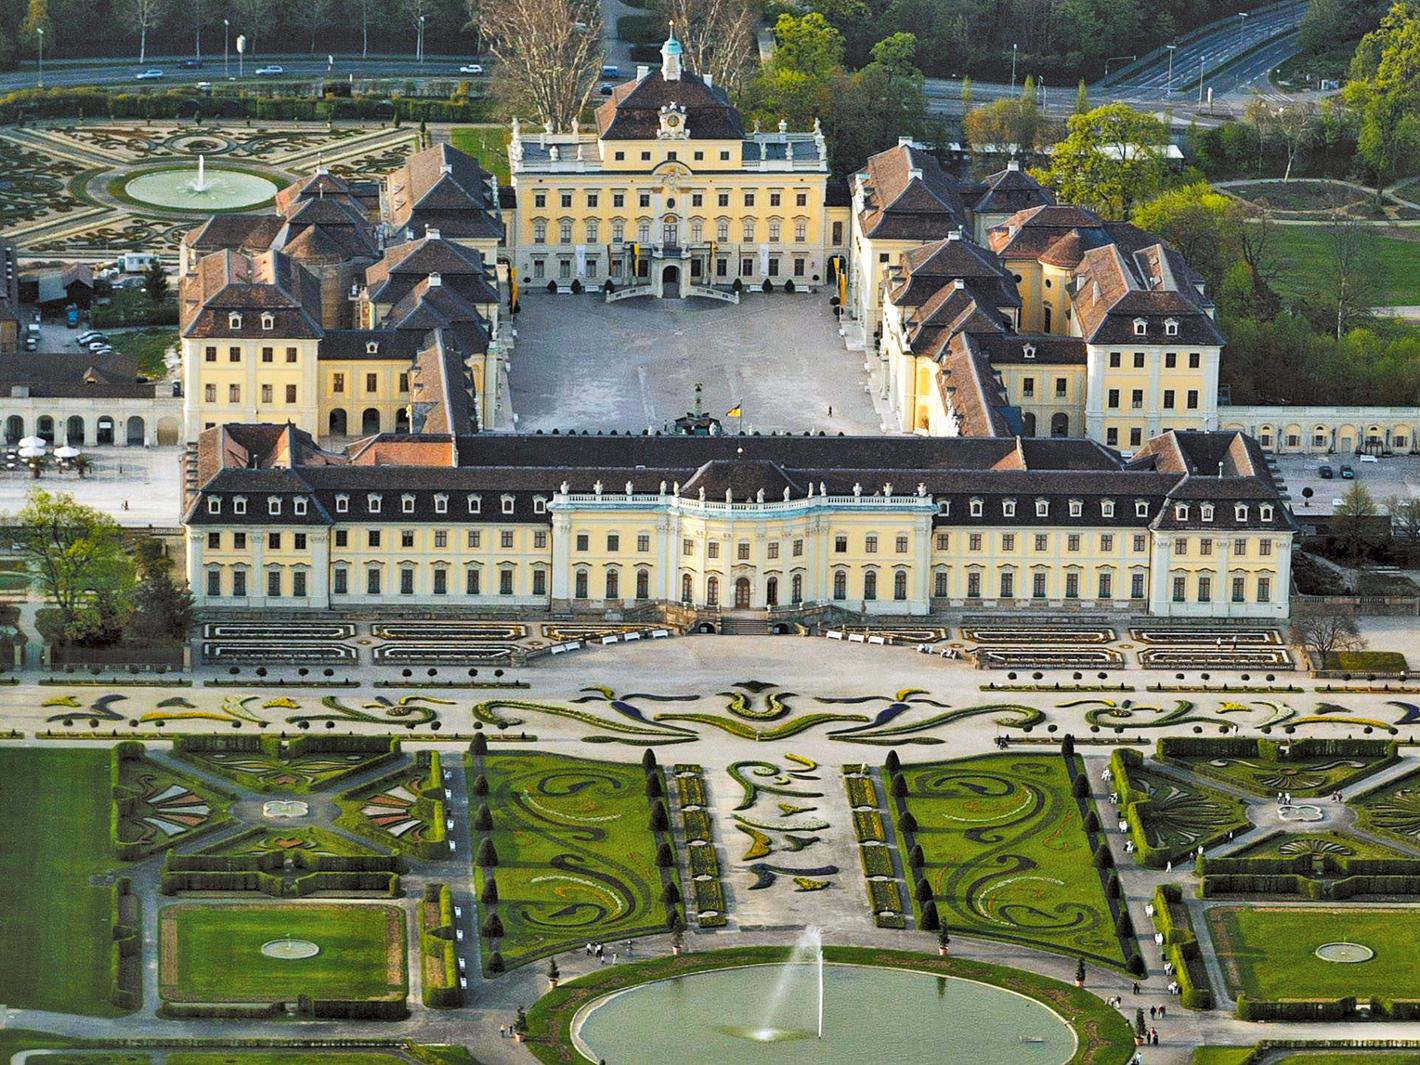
[[1053, 377]]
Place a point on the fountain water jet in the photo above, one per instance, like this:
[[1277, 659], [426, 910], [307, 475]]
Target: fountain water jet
[[200, 185], [808, 950]]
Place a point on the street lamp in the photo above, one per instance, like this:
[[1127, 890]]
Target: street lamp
[[226, 48], [1169, 90], [1242, 23], [1013, 69], [40, 30], [241, 55], [197, 34], [420, 49]]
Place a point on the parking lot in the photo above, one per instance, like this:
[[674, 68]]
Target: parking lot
[[632, 365], [1398, 476]]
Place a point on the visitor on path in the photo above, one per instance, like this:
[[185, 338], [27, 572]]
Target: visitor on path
[[1136, 987], [1153, 1012], [1163, 1010]]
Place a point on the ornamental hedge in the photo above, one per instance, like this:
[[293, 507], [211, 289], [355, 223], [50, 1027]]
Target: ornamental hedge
[[1181, 948], [439, 949], [1346, 876]]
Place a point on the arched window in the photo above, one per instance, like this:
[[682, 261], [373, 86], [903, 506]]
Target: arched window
[[722, 230], [796, 588], [580, 591], [899, 584], [771, 591], [643, 584], [613, 584], [870, 584], [840, 585], [687, 589], [748, 235], [712, 592], [774, 230]]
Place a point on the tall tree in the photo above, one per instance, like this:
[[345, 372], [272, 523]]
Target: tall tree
[[794, 85], [369, 8], [155, 281], [1015, 127], [1356, 527], [1322, 629], [870, 109], [143, 14], [548, 52], [1290, 125], [718, 39], [1111, 159], [252, 18], [1352, 284], [1200, 223], [310, 15], [36, 19], [75, 553], [1384, 92], [162, 610]]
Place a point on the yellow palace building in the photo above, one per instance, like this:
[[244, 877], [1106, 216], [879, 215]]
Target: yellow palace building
[[670, 196]]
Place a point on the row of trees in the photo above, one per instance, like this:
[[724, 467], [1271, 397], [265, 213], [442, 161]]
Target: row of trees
[[99, 588]]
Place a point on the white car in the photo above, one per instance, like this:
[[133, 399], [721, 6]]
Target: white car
[[266, 72], [203, 86], [148, 75], [471, 68]]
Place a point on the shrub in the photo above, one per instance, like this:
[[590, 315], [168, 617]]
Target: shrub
[[654, 788], [480, 785], [899, 786], [493, 927], [1067, 746], [648, 760], [924, 890], [892, 763], [1136, 965], [660, 819], [480, 744], [1092, 822], [670, 894], [495, 963], [930, 922], [1080, 788], [907, 822], [665, 857], [489, 896], [915, 857], [1103, 859], [1123, 925], [1111, 885], [487, 854]]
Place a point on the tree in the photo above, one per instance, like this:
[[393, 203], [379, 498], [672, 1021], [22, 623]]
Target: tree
[[36, 19], [144, 14], [1293, 125], [1202, 224], [76, 554], [1008, 127], [965, 96], [1384, 93], [249, 16], [549, 53], [374, 7], [1352, 282], [870, 109], [1082, 98], [1111, 158], [1322, 629], [489, 896], [155, 281], [1405, 520], [794, 85], [1356, 525], [162, 610], [311, 15]]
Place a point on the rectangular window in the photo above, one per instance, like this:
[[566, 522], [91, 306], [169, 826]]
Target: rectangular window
[[214, 583], [239, 583], [268, 354], [234, 354], [973, 585], [742, 551], [290, 393], [266, 393], [406, 538], [712, 549], [273, 541], [870, 545], [797, 549], [1008, 541], [1114, 399], [540, 540], [406, 580], [372, 581], [298, 583], [900, 545], [290, 354], [505, 539], [1194, 360], [1264, 589], [1205, 588], [840, 544], [613, 542], [772, 549], [643, 542], [472, 578], [1042, 541], [441, 582], [374, 538], [209, 354], [239, 541], [1138, 360], [505, 582], [1072, 542], [1168, 399], [1264, 548], [687, 547], [273, 584], [944, 541], [973, 542], [1072, 585], [1180, 589], [539, 582], [1008, 585], [234, 393], [1107, 542], [1193, 399], [1106, 589], [1037, 589]]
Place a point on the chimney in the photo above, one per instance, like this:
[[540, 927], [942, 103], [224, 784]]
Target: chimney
[[431, 232], [1013, 165], [914, 173], [446, 168], [955, 234], [642, 71], [709, 80], [904, 142], [958, 283], [436, 279]]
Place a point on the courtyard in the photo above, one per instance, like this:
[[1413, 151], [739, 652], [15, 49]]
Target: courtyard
[[633, 365]]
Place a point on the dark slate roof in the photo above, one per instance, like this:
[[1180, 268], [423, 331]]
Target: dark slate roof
[[1009, 191], [633, 111], [251, 285], [1028, 348], [356, 344], [444, 189], [924, 270], [405, 265], [73, 374], [234, 232]]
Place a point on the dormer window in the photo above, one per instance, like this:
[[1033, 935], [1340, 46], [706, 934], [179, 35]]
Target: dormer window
[[475, 504], [539, 504], [441, 504], [372, 503], [944, 506], [976, 508], [273, 505], [1141, 327], [406, 503], [298, 506], [234, 320], [1180, 511], [1240, 511], [1076, 508], [1107, 508], [268, 321], [1141, 508], [1008, 508], [1206, 511], [239, 505], [372, 347], [1042, 508], [1028, 351], [1171, 327], [214, 504], [1265, 512], [507, 504], [342, 504]]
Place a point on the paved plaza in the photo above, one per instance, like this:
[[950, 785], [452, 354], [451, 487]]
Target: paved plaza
[[1394, 477], [580, 363], [137, 486]]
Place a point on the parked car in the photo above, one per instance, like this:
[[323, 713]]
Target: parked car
[[1347, 473], [152, 74], [607, 88], [1325, 473], [31, 343], [611, 70], [270, 71], [203, 86], [191, 64], [471, 68]]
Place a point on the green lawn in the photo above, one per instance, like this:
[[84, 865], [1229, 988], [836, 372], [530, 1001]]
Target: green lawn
[[1180, 815], [1356, 1057], [1290, 845], [148, 346], [1223, 1055], [213, 953], [1007, 855], [53, 921], [286, 1057], [487, 144], [1303, 252], [1268, 952], [1300, 776], [576, 856], [1367, 661], [1392, 810]]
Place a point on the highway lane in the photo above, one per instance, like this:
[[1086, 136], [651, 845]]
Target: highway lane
[[1233, 37]]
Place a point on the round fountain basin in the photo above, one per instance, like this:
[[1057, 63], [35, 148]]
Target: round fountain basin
[[1300, 813], [870, 1014], [278, 809], [222, 190]]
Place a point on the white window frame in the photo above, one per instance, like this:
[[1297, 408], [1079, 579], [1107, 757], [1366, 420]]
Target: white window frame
[[298, 506], [441, 503], [239, 505], [475, 504], [214, 504], [373, 502], [507, 503], [342, 503], [406, 503], [273, 505]]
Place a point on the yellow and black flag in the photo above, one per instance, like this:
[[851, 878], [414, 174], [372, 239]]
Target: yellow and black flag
[[513, 295], [737, 411]]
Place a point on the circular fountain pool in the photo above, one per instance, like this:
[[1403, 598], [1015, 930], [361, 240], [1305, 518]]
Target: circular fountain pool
[[221, 189], [731, 1017]]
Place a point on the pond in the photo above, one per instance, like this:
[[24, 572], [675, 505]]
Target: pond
[[730, 1017], [221, 190]]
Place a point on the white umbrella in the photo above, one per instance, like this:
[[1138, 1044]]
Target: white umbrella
[[66, 452], [31, 452], [32, 441]]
